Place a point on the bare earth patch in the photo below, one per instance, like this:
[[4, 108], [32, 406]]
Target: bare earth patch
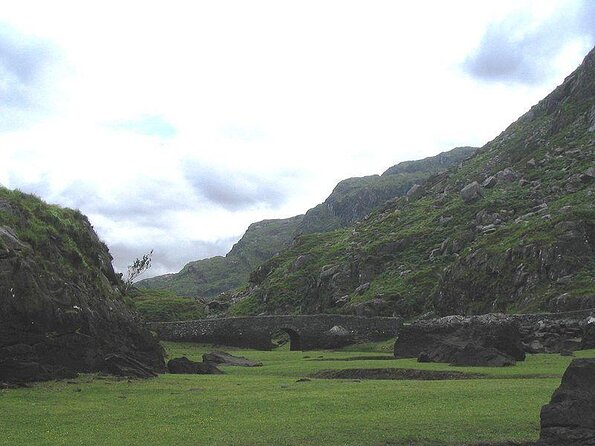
[[392, 373]]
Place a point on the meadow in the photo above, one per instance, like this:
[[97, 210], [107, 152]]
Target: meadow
[[271, 405]]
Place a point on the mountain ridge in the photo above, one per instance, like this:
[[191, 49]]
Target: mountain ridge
[[510, 229], [350, 200]]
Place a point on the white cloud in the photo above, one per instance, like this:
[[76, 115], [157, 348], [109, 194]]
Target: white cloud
[[177, 125]]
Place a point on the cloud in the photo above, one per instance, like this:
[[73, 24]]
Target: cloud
[[165, 259], [518, 50], [235, 191], [148, 125], [24, 64]]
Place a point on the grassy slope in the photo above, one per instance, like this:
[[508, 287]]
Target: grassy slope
[[63, 235], [164, 306], [265, 406]]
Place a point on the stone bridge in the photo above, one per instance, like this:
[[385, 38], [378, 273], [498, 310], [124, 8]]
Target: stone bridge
[[306, 332]]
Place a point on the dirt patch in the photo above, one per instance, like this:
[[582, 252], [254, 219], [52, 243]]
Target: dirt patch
[[404, 374], [358, 358]]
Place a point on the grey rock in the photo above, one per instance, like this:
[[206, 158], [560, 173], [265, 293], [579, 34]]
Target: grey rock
[[224, 358], [569, 418], [507, 175], [471, 192], [415, 192], [489, 182]]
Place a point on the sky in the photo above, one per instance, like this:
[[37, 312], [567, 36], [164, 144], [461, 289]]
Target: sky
[[174, 125]]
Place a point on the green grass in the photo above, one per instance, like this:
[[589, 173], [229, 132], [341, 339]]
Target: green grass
[[163, 306], [266, 406]]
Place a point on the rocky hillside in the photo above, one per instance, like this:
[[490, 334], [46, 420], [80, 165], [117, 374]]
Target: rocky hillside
[[351, 200], [61, 309], [354, 198], [510, 229]]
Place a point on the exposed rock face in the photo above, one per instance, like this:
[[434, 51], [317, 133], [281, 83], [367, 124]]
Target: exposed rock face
[[569, 418], [184, 365], [445, 339], [224, 358], [61, 310]]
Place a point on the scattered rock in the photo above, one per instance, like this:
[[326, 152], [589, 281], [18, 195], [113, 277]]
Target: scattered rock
[[362, 288], [415, 192], [507, 175], [489, 182], [184, 365], [224, 358], [569, 418], [471, 192]]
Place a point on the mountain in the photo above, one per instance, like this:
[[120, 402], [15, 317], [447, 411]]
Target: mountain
[[354, 198], [209, 277], [351, 200], [61, 306], [510, 229]]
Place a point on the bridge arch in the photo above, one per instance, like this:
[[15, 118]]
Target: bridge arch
[[295, 338]]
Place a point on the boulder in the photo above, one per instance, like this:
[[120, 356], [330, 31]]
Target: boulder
[[507, 175], [476, 355], [569, 418], [224, 358], [415, 192], [471, 192], [184, 365], [125, 365], [471, 354], [495, 331]]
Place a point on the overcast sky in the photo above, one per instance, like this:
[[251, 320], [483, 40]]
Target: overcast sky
[[174, 125]]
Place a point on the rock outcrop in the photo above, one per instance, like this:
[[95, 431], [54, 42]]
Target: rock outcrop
[[184, 365], [61, 309], [224, 358], [569, 418], [492, 339]]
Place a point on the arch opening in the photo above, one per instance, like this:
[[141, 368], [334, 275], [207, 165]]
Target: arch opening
[[286, 337]]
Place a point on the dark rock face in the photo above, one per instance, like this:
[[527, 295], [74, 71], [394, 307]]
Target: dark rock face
[[473, 340], [61, 310], [184, 365], [224, 358], [124, 365], [569, 418]]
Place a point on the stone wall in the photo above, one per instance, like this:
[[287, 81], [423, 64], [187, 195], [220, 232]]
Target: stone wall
[[306, 332]]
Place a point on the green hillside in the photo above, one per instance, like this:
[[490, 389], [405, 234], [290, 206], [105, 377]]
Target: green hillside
[[510, 229], [351, 200]]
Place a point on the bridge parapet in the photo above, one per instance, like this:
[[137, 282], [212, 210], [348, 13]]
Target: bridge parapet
[[307, 332]]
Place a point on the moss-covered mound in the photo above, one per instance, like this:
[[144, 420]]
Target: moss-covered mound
[[61, 308]]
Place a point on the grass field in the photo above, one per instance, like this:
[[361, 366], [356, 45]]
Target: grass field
[[267, 406]]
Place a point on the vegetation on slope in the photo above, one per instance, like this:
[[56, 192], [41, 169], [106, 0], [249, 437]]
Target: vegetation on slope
[[523, 241], [165, 306], [351, 200], [57, 233]]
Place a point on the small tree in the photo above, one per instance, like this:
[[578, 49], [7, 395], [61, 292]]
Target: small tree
[[138, 267]]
